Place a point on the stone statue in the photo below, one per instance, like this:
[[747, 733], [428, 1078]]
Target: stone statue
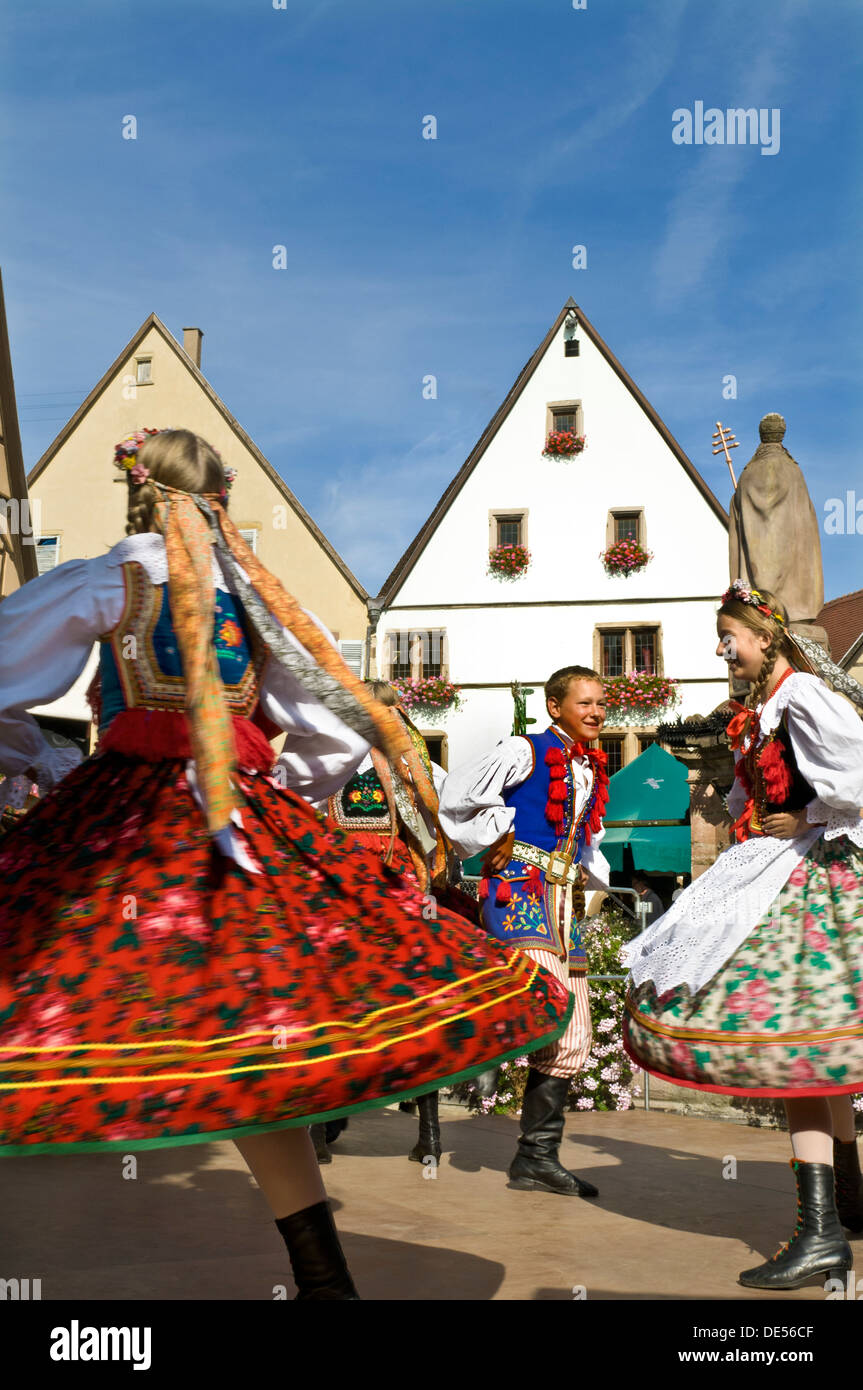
[[774, 540]]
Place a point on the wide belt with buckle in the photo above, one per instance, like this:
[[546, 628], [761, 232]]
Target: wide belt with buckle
[[557, 866]]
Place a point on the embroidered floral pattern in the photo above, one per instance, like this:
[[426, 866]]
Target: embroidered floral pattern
[[785, 1015], [194, 1000]]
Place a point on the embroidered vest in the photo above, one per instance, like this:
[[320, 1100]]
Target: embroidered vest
[[361, 805], [140, 665], [529, 912], [776, 782]]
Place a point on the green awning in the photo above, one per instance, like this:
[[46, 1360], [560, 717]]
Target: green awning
[[661, 849], [653, 786]]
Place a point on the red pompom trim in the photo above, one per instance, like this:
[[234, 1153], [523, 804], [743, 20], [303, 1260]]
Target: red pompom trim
[[483, 889], [504, 893], [557, 791], [534, 885], [555, 755], [777, 777]]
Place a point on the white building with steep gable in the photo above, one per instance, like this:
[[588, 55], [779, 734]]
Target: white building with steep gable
[[443, 613]]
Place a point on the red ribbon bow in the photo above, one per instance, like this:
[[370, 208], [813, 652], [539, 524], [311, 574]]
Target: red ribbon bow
[[745, 723]]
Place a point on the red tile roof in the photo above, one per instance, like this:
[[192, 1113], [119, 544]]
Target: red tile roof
[[843, 620]]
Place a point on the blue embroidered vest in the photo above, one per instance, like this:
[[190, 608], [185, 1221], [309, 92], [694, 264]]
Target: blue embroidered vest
[[528, 920], [140, 663]]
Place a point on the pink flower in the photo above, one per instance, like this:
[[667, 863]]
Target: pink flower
[[736, 1002], [682, 1055], [757, 987], [839, 876], [325, 934], [801, 1070], [155, 925], [760, 1011], [798, 876], [817, 940]]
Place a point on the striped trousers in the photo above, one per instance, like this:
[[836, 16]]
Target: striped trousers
[[568, 1055]]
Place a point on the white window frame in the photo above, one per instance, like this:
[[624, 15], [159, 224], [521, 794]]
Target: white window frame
[[140, 363]]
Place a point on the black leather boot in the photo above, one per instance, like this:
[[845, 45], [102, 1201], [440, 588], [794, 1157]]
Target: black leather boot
[[319, 1139], [536, 1165], [316, 1255], [333, 1128], [428, 1143], [484, 1086], [849, 1184], [817, 1246]]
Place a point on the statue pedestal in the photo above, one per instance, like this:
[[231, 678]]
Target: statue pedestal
[[709, 821]]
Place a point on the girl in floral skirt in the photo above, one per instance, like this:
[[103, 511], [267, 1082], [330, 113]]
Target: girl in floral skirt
[[187, 950], [752, 983]]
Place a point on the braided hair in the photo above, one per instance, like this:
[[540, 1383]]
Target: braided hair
[[177, 458], [749, 616]]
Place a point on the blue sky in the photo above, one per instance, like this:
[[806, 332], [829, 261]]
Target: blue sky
[[302, 127]]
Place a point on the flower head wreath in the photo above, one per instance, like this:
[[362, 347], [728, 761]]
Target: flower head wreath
[[126, 456], [753, 597]]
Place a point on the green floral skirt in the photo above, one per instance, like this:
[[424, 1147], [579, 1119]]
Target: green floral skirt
[[784, 1016]]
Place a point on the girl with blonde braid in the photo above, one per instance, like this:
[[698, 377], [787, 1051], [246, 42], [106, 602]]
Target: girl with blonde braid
[[752, 983], [188, 951]]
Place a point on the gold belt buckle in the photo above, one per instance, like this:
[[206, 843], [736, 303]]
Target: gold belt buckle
[[559, 865]]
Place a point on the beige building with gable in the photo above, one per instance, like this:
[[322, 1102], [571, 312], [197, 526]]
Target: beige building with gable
[[154, 381]]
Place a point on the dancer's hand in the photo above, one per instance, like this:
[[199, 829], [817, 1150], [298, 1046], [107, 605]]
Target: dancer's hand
[[786, 825], [499, 855]]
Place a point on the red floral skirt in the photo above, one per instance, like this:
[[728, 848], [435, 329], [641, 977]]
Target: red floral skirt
[[153, 993]]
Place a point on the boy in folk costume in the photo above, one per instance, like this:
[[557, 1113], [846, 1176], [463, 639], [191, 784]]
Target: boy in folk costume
[[187, 952], [535, 803], [751, 983]]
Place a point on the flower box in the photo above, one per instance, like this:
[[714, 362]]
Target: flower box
[[429, 696], [626, 556], [508, 561], [563, 444], [638, 697]]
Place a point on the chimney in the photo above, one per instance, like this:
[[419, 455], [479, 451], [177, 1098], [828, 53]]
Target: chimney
[[192, 344]]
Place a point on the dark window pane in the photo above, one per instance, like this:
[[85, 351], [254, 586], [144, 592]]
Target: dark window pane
[[645, 650], [613, 749], [627, 526], [645, 743], [564, 420], [435, 747], [612, 653], [432, 653], [509, 531], [400, 656]]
